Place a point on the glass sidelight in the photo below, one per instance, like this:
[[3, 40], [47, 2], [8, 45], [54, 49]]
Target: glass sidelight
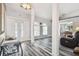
[[19, 30]]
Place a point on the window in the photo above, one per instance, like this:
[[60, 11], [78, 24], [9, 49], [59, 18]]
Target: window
[[21, 29], [66, 26], [36, 29], [44, 26], [40, 27], [16, 30]]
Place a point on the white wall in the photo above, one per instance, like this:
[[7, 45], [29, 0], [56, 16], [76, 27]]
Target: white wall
[[13, 10], [13, 16], [11, 19], [10, 26]]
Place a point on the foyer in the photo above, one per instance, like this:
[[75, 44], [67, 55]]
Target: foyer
[[36, 29]]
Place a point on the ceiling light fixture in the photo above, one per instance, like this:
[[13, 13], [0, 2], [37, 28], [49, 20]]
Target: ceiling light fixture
[[26, 6]]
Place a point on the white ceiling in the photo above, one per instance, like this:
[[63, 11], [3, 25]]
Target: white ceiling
[[67, 8], [15, 9], [43, 10]]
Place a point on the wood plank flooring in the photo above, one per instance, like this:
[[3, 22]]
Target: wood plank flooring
[[43, 47], [40, 48]]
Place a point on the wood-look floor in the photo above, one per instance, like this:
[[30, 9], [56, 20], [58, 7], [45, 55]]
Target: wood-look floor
[[41, 47]]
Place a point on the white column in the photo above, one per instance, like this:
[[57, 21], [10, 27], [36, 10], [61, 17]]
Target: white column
[[32, 25], [55, 30], [3, 20], [3, 17]]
